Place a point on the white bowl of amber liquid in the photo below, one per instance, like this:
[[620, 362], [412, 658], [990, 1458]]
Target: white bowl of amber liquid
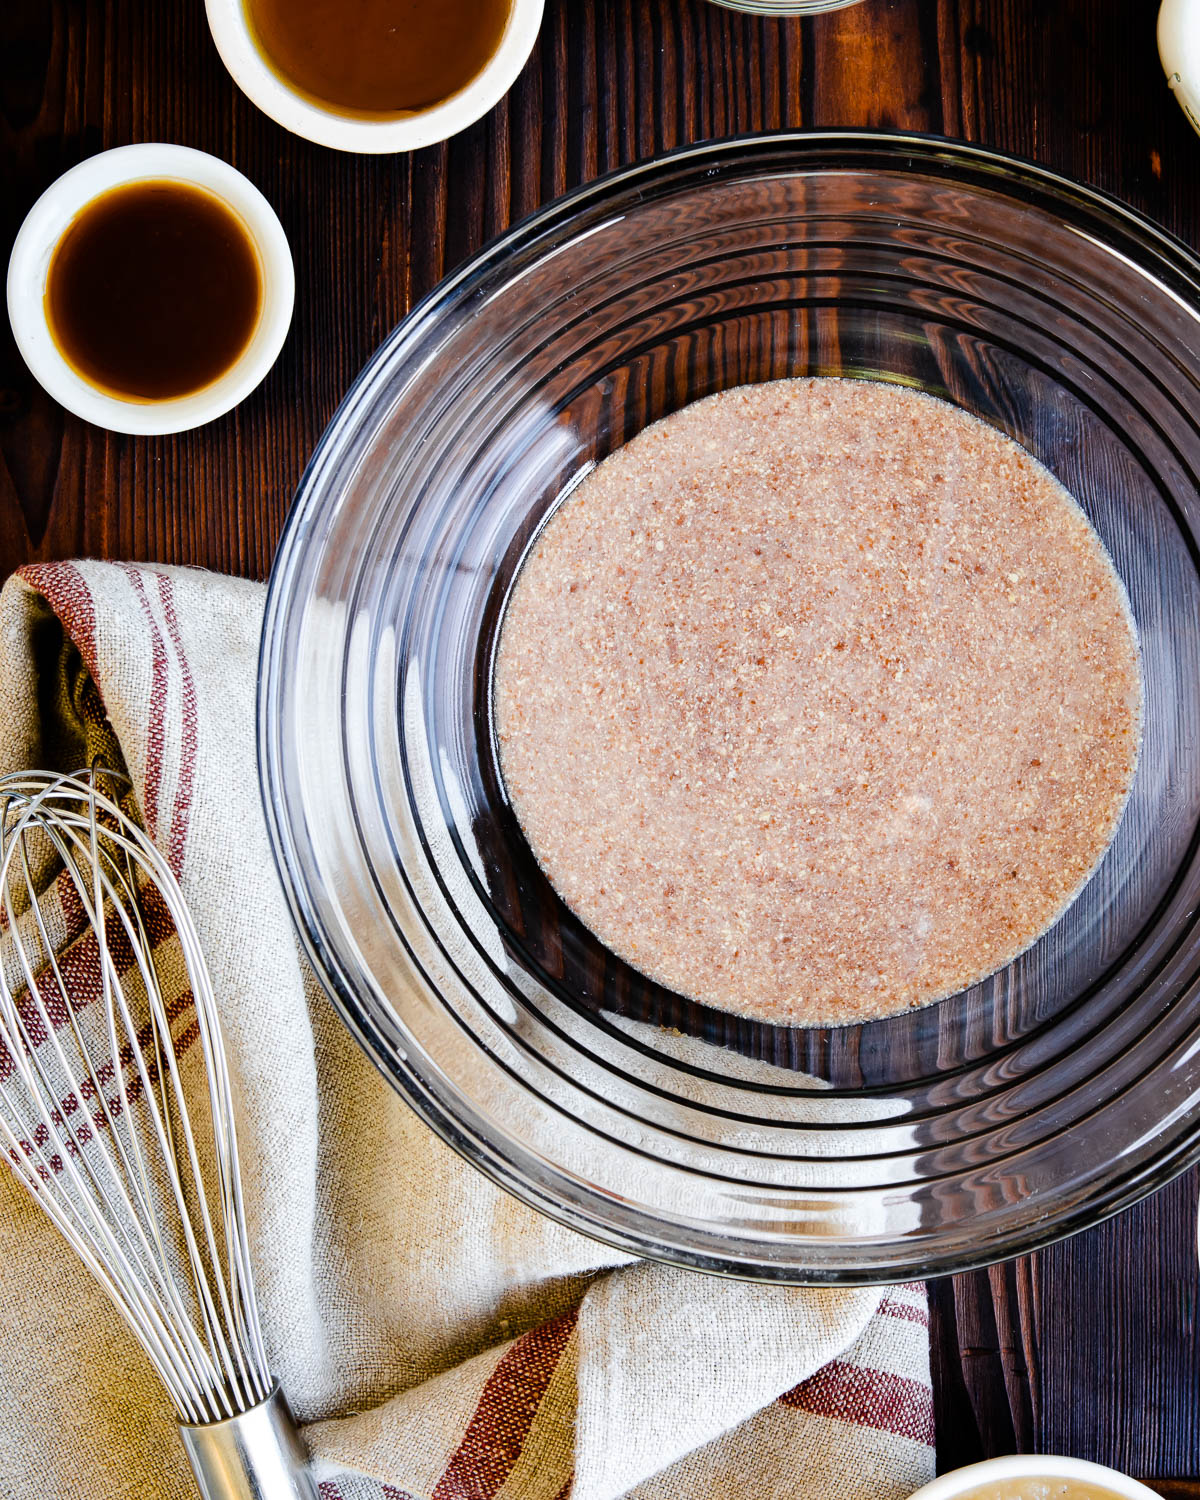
[[1033, 1476], [150, 288], [361, 76]]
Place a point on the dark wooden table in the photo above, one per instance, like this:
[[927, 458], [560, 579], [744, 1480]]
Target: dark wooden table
[[1089, 1348]]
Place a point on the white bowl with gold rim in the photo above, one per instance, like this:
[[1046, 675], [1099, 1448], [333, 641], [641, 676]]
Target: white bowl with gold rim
[[54, 213], [407, 130]]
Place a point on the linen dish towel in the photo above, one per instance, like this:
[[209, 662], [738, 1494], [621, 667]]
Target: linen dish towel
[[440, 1340]]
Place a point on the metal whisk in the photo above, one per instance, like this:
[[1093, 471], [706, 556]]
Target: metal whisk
[[104, 994]]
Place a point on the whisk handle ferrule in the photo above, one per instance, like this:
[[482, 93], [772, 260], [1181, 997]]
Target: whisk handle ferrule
[[257, 1455]]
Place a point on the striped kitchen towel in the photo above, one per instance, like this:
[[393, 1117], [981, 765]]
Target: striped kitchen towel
[[440, 1340]]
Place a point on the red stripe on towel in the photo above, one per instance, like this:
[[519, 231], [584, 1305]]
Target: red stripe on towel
[[189, 729], [867, 1398], [63, 587], [905, 1311], [158, 702], [496, 1433]]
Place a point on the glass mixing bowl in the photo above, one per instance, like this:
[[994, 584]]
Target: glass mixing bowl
[[1052, 1094]]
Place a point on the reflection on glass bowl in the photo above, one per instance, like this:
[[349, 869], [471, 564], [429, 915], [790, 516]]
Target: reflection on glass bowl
[[786, 7], [1056, 1092]]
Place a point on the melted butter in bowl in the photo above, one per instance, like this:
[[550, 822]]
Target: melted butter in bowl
[[818, 701]]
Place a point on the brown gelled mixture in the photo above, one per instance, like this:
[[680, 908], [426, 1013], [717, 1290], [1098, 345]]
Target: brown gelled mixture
[[818, 701]]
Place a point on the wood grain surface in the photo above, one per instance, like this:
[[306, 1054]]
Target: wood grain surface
[[1089, 1348]]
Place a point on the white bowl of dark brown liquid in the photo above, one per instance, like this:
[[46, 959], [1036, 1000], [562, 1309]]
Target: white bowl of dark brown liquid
[[150, 289], [374, 75]]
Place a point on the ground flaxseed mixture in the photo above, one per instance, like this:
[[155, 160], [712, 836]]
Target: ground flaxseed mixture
[[819, 700]]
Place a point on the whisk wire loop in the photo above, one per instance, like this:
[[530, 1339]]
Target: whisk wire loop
[[140, 1177], [67, 1152], [129, 1228]]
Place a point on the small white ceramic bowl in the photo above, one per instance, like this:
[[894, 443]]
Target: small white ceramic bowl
[[47, 222], [409, 131], [1034, 1466]]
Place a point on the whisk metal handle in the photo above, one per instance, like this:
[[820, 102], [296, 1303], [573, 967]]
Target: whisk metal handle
[[258, 1455]]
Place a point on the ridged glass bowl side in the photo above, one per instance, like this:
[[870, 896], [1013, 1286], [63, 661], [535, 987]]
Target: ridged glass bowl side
[[1050, 1095]]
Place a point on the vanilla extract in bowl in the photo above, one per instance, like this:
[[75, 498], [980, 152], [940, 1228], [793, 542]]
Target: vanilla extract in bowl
[[154, 291], [378, 57]]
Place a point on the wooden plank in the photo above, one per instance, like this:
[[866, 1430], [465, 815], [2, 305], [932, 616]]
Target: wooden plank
[[1090, 1347]]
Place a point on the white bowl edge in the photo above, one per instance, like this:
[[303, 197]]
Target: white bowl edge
[[45, 225], [408, 132], [1033, 1466]]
